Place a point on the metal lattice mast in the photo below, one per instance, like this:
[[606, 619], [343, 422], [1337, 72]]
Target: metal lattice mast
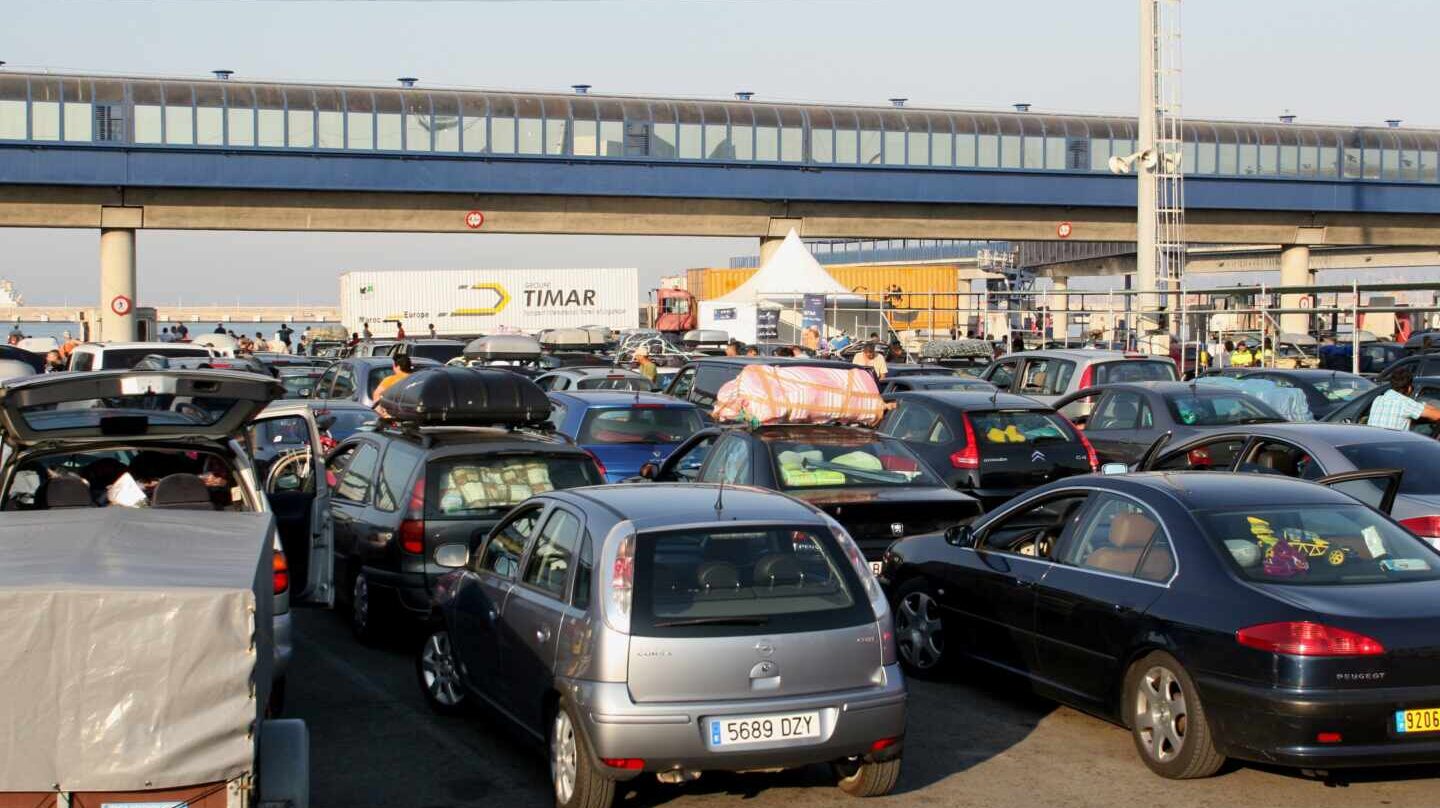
[[1160, 221]]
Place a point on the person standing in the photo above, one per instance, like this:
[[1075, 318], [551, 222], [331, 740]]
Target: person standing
[[182, 333], [286, 332], [399, 330], [644, 366], [1396, 409], [1216, 349], [810, 338], [1242, 356], [433, 335], [219, 328], [400, 365], [869, 358], [365, 330]]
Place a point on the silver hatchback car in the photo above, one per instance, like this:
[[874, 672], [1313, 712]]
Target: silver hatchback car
[[672, 629]]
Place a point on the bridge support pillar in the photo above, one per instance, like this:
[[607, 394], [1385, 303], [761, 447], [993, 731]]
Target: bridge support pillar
[[768, 246], [1294, 271], [117, 285]]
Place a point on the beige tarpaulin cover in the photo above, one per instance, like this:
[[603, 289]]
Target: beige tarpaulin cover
[[126, 651]]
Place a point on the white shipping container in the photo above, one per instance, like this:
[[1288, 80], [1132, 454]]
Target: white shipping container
[[464, 302]]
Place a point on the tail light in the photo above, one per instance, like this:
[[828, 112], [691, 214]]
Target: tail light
[[1427, 526], [280, 569], [1089, 447], [1087, 379], [878, 605], [618, 566], [628, 764], [968, 457], [600, 464], [883, 743], [1308, 639], [412, 527]]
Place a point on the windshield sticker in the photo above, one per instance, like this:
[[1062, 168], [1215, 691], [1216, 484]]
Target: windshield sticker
[[1404, 565]]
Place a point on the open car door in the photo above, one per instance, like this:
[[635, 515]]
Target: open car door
[[1374, 487], [1153, 451], [290, 469]]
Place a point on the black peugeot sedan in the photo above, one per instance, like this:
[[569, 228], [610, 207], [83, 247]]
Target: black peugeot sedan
[[1213, 615], [992, 446]]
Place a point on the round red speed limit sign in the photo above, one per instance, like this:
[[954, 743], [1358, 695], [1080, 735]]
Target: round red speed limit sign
[[121, 305], [1064, 229], [474, 219]]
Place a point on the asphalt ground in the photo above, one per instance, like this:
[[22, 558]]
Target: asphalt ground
[[985, 742]]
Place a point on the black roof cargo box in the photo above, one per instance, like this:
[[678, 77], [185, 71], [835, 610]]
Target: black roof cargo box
[[458, 396], [504, 348]]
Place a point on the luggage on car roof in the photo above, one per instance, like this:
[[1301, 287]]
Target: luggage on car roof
[[571, 338], [457, 396], [504, 347], [956, 349]]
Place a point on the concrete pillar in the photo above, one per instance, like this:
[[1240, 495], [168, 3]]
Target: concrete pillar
[[1294, 271], [768, 246], [117, 285], [1061, 319]]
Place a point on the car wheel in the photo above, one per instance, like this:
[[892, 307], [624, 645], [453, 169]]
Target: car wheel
[[574, 774], [1167, 720], [868, 779], [365, 619], [439, 675], [919, 632]]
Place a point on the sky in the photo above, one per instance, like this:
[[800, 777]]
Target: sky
[[1324, 60]]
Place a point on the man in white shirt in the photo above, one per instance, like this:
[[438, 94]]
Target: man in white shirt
[[870, 358], [1395, 409]]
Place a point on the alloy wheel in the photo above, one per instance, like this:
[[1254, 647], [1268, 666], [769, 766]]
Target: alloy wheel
[[563, 758], [918, 632], [438, 670], [1160, 714]]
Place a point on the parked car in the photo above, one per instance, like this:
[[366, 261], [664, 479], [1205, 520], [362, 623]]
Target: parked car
[[991, 446], [439, 350], [1357, 409], [901, 384], [1419, 364], [85, 440], [603, 377], [1122, 420], [398, 492], [624, 431], [673, 629], [1049, 376], [1213, 615], [870, 483], [1325, 390], [699, 381], [1315, 451], [355, 378], [124, 355], [1374, 356], [373, 347]]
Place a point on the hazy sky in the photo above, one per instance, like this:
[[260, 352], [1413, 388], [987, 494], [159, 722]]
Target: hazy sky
[[1325, 60]]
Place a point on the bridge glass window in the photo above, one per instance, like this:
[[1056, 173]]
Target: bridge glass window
[[894, 148], [1188, 153], [942, 149], [767, 134], [77, 114], [792, 135], [1229, 158], [822, 144], [445, 121], [918, 149], [557, 125], [1100, 154], [847, 137], [690, 144], [418, 125], [1077, 152], [742, 131], [662, 131], [1010, 151], [1329, 165], [1033, 152], [1269, 159], [300, 118], [389, 122], [527, 126], [585, 140], [965, 149], [240, 116], [44, 109], [109, 111], [1428, 165], [474, 125], [1309, 159], [209, 114], [1350, 160], [1389, 164], [989, 156], [717, 133], [179, 115], [1055, 152], [270, 116], [149, 127], [359, 120], [14, 112]]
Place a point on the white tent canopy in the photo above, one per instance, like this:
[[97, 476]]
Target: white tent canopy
[[791, 271]]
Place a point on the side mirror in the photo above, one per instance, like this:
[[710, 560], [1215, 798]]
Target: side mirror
[[452, 556], [649, 471], [1114, 468], [960, 535]]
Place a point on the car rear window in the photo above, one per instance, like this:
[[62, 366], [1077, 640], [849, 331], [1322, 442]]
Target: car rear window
[[1421, 462], [1343, 388], [841, 463], [440, 353], [1319, 545], [616, 382], [126, 358], [491, 484], [347, 422], [1134, 370], [1010, 427], [652, 424], [1221, 410], [751, 580]]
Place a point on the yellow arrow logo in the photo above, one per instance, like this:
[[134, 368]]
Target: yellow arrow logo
[[502, 299]]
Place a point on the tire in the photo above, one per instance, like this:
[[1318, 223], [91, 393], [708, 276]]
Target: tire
[[575, 776], [919, 631], [438, 673], [1167, 719], [367, 621], [868, 779]]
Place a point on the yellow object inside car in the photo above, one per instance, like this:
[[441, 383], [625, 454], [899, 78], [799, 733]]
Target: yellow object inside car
[[1007, 435]]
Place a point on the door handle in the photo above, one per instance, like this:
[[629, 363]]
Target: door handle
[[542, 634], [1024, 584], [1121, 608], [492, 614]]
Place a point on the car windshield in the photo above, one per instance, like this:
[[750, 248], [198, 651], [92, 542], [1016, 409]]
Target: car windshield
[[126, 358], [652, 424], [491, 484], [299, 385], [615, 382], [1134, 370], [1342, 387], [1008, 427], [1219, 410], [841, 462], [732, 581], [1421, 462], [1318, 545], [186, 479]]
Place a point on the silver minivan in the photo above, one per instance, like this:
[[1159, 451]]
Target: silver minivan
[[672, 629], [1048, 376]]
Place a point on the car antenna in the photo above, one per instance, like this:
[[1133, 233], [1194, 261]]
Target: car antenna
[[720, 497]]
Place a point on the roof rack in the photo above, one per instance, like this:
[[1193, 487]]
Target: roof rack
[[425, 435]]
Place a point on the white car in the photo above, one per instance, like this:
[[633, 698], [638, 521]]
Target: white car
[[124, 355]]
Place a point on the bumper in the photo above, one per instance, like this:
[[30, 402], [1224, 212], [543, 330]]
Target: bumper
[[670, 736], [284, 644], [409, 592], [1282, 727]]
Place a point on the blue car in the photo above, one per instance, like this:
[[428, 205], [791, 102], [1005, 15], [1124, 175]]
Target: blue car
[[624, 430]]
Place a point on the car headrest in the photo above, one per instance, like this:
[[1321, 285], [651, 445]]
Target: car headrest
[[717, 575], [68, 492], [1277, 460], [184, 492], [1131, 530], [777, 568]]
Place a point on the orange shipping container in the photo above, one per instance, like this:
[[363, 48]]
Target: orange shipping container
[[928, 296]]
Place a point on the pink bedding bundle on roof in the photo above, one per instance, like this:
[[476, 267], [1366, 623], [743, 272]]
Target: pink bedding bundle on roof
[[768, 394]]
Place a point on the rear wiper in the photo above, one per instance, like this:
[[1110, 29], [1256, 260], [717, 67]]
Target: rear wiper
[[872, 474], [758, 620]]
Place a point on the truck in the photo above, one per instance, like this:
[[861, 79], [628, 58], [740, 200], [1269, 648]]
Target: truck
[[675, 311], [475, 302]]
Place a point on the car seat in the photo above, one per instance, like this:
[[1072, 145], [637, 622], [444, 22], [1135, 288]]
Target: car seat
[[778, 569], [182, 492], [1129, 535], [1277, 461], [67, 492]]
